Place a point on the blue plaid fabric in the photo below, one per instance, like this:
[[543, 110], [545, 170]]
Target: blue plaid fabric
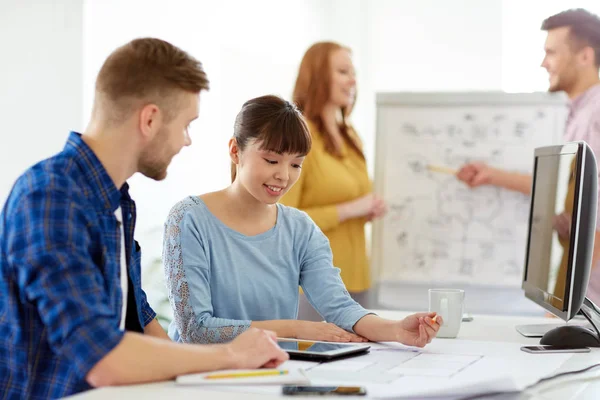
[[60, 299]]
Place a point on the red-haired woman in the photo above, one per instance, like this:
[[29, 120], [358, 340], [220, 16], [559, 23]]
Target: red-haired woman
[[334, 188]]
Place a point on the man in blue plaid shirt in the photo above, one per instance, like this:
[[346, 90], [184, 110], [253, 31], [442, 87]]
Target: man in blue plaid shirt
[[73, 314]]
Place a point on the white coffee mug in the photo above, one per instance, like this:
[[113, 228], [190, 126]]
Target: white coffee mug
[[449, 304]]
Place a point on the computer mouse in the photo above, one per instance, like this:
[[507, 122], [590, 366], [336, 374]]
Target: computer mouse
[[571, 335]]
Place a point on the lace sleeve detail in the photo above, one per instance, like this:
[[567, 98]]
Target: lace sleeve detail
[[192, 311]]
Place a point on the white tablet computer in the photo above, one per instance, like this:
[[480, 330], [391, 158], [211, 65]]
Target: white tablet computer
[[320, 351]]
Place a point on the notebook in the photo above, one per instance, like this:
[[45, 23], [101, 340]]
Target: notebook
[[294, 376]]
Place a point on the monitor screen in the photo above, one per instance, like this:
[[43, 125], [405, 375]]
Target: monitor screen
[[550, 253], [562, 227]]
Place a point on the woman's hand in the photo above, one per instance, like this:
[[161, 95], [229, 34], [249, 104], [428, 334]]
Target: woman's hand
[[418, 329], [378, 210], [326, 332], [368, 206], [414, 330]]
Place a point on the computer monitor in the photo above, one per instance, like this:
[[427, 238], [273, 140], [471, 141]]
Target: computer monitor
[[560, 242]]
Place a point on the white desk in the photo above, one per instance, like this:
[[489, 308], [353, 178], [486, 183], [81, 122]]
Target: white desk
[[483, 328]]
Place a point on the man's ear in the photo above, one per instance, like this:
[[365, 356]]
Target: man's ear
[[150, 121], [586, 56], [234, 151]]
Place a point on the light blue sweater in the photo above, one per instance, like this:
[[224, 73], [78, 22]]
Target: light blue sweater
[[220, 280]]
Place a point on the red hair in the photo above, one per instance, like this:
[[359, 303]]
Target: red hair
[[312, 92]]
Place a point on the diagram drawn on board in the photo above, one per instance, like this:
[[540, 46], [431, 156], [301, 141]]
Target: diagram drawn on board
[[438, 228]]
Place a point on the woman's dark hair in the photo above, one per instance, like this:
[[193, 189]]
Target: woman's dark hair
[[275, 123]]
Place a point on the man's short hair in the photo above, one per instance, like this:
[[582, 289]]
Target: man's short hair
[[147, 70], [584, 29]]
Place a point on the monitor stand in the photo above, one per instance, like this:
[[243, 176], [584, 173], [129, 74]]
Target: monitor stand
[[539, 330], [577, 336]]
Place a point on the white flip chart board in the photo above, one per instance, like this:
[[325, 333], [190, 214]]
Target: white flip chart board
[[438, 230]]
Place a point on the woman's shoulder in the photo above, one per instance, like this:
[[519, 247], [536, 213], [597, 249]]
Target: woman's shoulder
[[317, 134], [302, 230], [190, 205], [354, 135], [312, 127], [314, 130], [318, 143], [295, 218]]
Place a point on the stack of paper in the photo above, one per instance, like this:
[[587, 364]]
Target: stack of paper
[[446, 368], [451, 368]]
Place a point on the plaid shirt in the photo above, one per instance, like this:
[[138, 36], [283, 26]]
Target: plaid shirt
[[59, 274]]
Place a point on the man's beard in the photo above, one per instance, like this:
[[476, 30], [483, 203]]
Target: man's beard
[[564, 82], [154, 170], [150, 163], [557, 87]]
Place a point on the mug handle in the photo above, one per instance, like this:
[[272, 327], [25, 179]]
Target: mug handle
[[444, 308]]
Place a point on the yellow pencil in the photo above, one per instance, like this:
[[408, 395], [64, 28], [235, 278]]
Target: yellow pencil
[[441, 169], [246, 374], [434, 319]]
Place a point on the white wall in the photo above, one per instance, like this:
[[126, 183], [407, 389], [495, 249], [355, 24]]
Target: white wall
[[40, 81]]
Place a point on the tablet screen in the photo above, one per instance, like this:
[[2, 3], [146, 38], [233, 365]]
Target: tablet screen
[[315, 347]]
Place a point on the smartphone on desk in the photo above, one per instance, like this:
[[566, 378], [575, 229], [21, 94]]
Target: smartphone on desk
[[545, 349], [324, 390]]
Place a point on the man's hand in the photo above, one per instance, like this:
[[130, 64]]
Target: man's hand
[[256, 348], [562, 225], [476, 174]]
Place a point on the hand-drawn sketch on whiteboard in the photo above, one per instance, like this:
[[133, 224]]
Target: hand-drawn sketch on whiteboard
[[438, 229]]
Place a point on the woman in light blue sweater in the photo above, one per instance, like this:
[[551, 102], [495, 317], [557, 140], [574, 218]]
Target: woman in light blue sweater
[[235, 258]]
